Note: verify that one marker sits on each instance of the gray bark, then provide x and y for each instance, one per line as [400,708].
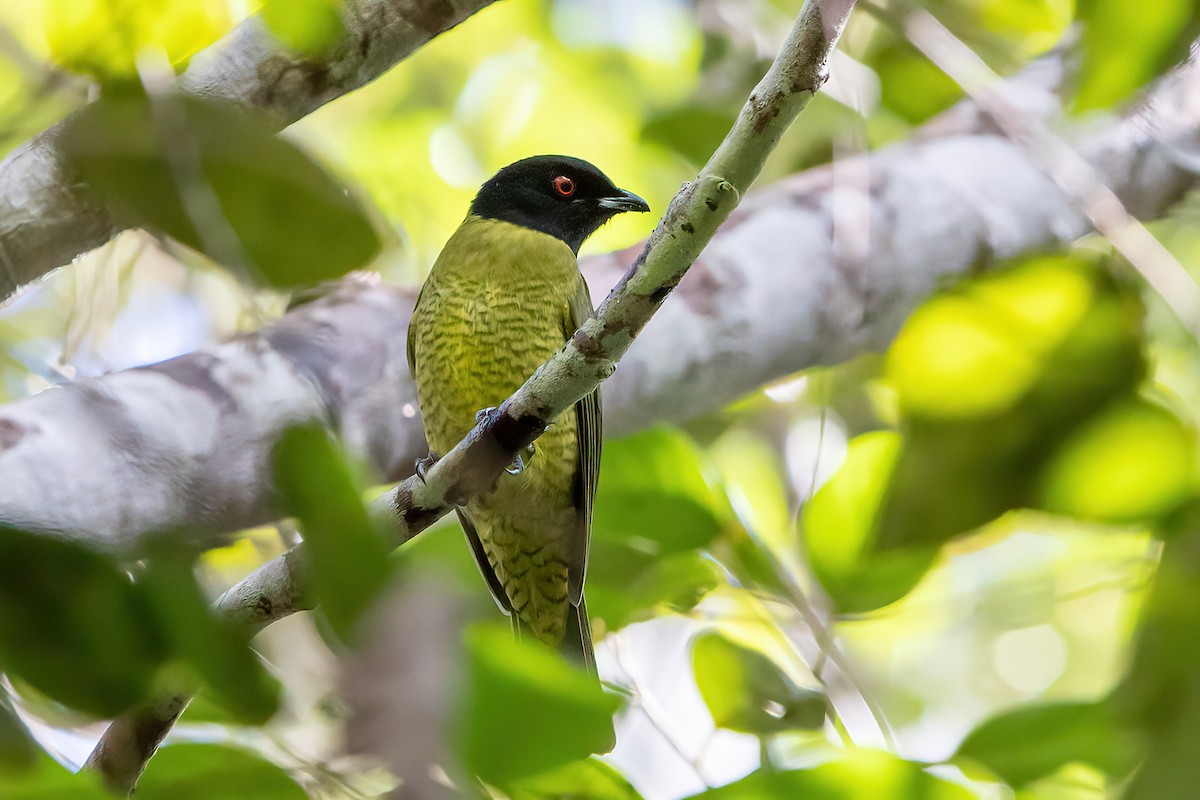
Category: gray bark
[813,270]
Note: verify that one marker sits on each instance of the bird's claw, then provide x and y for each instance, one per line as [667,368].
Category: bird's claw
[518,464]
[424,464]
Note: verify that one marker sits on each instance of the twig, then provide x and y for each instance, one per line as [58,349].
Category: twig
[473,466]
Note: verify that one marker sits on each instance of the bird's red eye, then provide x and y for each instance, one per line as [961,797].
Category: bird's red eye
[564,186]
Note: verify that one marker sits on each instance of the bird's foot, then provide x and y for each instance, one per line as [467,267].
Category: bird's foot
[424,464]
[518,464]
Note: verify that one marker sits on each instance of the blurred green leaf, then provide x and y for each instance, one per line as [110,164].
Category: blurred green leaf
[309,27]
[1029,743]
[654,508]
[992,377]
[217,178]
[692,131]
[216,647]
[1126,44]
[858,775]
[207,771]
[46,779]
[1159,699]
[73,626]
[591,779]
[348,556]
[526,710]
[745,691]
[1134,461]
[676,582]
[900,68]
[840,527]
[103,38]
[17,749]
[653,494]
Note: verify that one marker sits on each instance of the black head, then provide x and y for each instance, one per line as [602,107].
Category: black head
[565,197]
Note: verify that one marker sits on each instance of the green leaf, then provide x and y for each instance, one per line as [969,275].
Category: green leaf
[1029,743]
[1159,699]
[591,779]
[206,771]
[653,494]
[654,509]
[745,691]
[216,647]
[1134,461]
[73,626]
[840,527]
[217,178]
[309,27]
[1126,44]
[103,38]
[526,710]
[46,779]
[692,131]
[349,557]
[858,775]
[17,749]
[676,582]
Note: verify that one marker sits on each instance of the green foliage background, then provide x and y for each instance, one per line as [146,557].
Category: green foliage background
[963,568]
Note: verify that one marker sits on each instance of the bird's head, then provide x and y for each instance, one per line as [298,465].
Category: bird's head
[565,197]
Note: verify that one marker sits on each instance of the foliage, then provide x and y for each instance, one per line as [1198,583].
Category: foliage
[951,541]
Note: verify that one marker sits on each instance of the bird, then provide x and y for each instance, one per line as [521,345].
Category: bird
[504,295]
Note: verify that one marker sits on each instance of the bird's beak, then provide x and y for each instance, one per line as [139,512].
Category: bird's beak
[624,201]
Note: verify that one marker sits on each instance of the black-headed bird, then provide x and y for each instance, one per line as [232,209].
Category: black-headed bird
[503,296]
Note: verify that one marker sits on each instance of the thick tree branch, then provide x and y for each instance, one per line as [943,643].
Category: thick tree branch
[48,218]
[814,270]
[583,363]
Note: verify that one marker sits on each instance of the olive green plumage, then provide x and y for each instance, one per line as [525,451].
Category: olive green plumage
[503,296]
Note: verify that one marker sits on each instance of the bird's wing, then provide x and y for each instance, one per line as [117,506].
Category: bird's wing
[409,349]
[588,421]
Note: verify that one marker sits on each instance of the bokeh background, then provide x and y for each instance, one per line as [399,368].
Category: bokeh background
[1043,414]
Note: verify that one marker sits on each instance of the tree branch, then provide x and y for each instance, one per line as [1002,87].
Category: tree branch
[814,270]
[474,465]
[48,218]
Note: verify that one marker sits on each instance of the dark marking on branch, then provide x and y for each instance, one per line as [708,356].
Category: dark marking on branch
[688,227]
[11,432]
[712,204]
[195,372]
[430,16]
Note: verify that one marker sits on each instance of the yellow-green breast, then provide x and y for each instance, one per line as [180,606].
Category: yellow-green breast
[491,312]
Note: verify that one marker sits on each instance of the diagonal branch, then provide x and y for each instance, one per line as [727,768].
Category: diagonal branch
[48,218]
[590,356]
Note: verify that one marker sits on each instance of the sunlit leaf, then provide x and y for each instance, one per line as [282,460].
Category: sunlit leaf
[745,691]
[103,38]
[653,509]
[1134,461]
[840,527]
[859,775]
[526,710]
[591,779]
[309,27]
[216,647]
[1126,44]
[348,556]
[206,771]
[1029,743]
[217,178]
[72,625]
[46,779]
